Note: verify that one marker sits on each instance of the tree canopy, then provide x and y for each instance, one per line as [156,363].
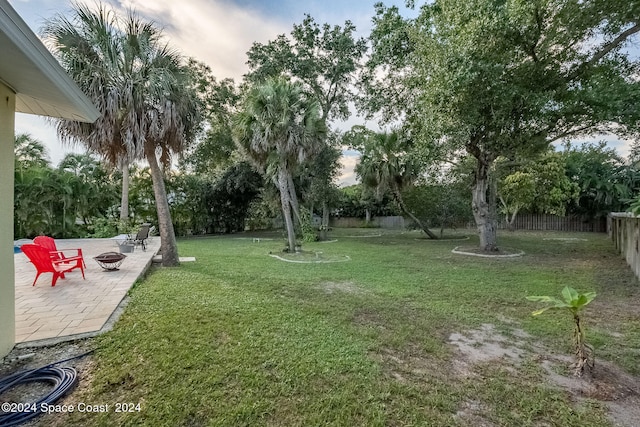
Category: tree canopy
[324,59]
[503,78]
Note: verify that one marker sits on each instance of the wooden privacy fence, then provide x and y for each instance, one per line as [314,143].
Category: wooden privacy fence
[557,223]
[391,222]
[537,222]
[624,230]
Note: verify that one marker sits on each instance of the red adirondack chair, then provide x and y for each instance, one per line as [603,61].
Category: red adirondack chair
[41,259]
[50,244]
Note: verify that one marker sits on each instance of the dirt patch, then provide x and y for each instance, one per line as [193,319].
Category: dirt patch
[485,344]
[618,390]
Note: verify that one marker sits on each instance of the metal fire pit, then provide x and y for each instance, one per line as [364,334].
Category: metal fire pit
[110,261]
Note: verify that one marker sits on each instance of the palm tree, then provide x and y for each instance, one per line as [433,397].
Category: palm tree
[279,128]
[31,164]
[92,47]
[386,165]
[145,94]
[29,152]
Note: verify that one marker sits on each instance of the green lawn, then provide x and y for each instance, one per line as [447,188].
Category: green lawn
[239,338]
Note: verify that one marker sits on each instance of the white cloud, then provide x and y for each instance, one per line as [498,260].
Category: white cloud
[622,146]
[347,175]
[215,32]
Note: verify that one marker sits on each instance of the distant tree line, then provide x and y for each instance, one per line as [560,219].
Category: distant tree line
[473,95]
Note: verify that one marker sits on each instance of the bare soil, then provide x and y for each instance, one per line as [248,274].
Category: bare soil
[618,390]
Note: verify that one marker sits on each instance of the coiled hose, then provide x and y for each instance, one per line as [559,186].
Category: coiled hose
[63,380]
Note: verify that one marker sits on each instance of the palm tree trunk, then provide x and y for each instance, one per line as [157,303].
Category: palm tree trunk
[293,197]
[168,244]
[285,200]
[396,194]
[124,200]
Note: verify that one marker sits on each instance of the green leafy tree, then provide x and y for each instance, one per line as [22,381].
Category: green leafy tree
[538,185]
[573,302]
[146,95]
[503,78]
[442,204]
[360,201]
[30,163]
[319,174]
[51,201]
[230,197]
[324,59]
[213,153]
[516,192]
[607,183]
[94,188]
[277,128]
[142,200]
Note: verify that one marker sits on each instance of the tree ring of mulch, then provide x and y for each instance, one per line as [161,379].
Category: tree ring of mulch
[308,258]
[566,239]
[254,239]
[442,239]
[474,251]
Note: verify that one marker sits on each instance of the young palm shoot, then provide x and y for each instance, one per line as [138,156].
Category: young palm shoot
[573,302]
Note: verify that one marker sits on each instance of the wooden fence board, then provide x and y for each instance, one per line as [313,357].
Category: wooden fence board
[536,222]
[544,222]
[624,230]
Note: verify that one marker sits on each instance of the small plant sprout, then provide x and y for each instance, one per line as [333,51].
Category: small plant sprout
[573,302]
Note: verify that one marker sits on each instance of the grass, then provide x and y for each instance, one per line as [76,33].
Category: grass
[240,338]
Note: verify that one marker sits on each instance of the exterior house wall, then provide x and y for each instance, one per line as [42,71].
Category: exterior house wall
[7,285]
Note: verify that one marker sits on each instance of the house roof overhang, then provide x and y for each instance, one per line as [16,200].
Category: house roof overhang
[41,85]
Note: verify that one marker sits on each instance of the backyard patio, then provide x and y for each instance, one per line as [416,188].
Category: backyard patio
[75,307]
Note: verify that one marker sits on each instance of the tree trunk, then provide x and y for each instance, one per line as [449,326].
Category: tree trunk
[511,221]
[124,199]
[510,218]
[482,212]
[324,225]
[293,198]
[168,245]
[367,216]
[398,196]
[285,200]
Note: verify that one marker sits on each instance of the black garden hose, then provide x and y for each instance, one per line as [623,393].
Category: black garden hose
[63,380]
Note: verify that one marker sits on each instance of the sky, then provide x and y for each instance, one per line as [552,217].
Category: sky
[219,33]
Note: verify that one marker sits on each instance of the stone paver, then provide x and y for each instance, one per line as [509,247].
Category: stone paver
[75,306]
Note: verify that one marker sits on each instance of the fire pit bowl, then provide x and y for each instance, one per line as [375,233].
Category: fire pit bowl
[110,261]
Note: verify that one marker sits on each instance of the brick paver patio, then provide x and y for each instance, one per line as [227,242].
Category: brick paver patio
[75,306]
